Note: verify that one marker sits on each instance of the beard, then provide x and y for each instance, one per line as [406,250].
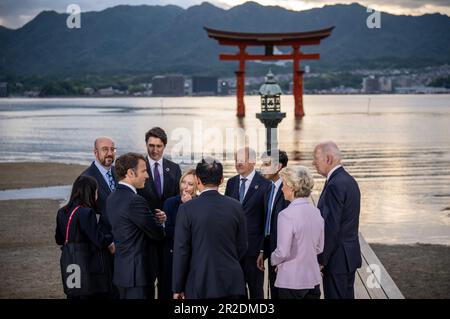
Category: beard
[107,161]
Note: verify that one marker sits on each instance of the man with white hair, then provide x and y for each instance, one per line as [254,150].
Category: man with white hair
[339,205]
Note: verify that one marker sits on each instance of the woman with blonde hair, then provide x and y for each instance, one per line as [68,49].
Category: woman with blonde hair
[188,190]
[300,239]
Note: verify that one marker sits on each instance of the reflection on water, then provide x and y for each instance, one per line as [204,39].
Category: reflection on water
[399,151]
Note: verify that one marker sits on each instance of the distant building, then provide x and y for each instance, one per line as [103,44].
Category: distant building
[106,91]
[204,85]
[3,89]
[88,91]
[370,85]
[385,84]
[168,85]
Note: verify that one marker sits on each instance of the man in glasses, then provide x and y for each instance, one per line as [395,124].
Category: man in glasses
[102,169]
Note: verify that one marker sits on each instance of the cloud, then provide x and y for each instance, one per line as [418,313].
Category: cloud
[15,13]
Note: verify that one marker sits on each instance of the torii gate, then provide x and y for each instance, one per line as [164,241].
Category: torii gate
[269,40]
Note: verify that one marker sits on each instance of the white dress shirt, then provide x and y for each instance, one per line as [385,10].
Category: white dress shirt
[129,186]
[247,182]
[332,171]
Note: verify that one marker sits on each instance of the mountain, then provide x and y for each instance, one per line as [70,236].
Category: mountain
[170,39]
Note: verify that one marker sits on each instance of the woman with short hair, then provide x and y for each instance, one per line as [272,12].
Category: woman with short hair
[300,239]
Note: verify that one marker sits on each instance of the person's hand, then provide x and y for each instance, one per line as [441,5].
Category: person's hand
[178,295]
[160,215]
[321,270]
[185,197]
[276,269]
[112,248]
[260,261]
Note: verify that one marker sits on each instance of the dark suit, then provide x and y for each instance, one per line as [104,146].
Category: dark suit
[210,239]
[339,204]
[270,242]
[170,188]
[253,205]
[103,193]
[171,206]
[135,232]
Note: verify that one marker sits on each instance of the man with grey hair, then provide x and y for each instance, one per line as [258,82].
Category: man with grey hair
[339,205]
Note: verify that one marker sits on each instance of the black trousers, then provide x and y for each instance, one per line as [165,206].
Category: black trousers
[253,277]
[339,286]
[146,292]
[285,293]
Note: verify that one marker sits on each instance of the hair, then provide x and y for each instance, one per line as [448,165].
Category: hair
[282,157]
[299,179]
[83,193]
[250,154]
[209,171]
[189,172]
[125,162]
[330,148]
[158,133]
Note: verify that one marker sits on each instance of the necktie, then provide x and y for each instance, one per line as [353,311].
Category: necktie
[157,179]
[269,210]
[242,190]
[111,183]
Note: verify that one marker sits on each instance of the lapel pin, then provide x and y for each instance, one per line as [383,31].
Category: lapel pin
[256,186]
[167,169]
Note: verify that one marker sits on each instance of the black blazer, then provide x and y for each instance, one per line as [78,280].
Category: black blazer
[210,239]
[103,188]
[339,205]
[253,205]
[83,228]
[171,187]
[279,204]
[135,231]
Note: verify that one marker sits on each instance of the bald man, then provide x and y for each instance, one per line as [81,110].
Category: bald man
[103,171]
[339,205]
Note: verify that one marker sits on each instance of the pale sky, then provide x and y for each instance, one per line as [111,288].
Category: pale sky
[15,13]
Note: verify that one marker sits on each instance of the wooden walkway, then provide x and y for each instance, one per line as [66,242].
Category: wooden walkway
[372,280]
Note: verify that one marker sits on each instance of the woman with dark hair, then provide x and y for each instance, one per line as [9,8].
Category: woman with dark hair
[83,228]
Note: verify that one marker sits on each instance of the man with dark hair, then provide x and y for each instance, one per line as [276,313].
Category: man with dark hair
[134,227]
[163,183]
[210,239]
[102,170]
[249,188]
[274,203]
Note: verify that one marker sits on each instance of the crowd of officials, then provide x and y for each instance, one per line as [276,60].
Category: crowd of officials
[159,232]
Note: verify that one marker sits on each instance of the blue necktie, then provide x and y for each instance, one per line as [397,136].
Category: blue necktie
[269,210]
[157,179]
[112,184]
[242,190]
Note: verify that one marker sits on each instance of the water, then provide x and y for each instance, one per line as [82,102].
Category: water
[398,149]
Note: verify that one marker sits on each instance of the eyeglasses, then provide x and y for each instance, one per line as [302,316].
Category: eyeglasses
[106,149]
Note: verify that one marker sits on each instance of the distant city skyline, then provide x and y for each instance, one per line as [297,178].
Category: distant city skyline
[15,13]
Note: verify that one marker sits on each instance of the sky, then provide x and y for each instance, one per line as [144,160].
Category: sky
[16,13]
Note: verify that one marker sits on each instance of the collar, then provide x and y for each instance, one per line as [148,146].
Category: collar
[332,171]
[278,183]
[101,168]
[207,190]
[152,161]
[300,200]
[129,186]
[249,177]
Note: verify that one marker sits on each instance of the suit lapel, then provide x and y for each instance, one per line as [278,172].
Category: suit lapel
[167,177]
[100,179]
[328,183]
[150,183]
[254,185]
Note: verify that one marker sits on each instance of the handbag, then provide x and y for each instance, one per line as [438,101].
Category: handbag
[83,270]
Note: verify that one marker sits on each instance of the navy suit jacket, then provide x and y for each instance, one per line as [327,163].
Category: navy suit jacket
[171,187]
[103,187]
[135,231]
[210,240]
[253,205]
[339,205]
[279,204]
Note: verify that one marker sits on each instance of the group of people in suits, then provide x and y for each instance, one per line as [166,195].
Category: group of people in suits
[157,225]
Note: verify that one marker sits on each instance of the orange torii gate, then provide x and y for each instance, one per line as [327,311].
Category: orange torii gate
[269,40]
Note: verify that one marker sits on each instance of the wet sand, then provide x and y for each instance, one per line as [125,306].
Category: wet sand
[36,174]
[29,257]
